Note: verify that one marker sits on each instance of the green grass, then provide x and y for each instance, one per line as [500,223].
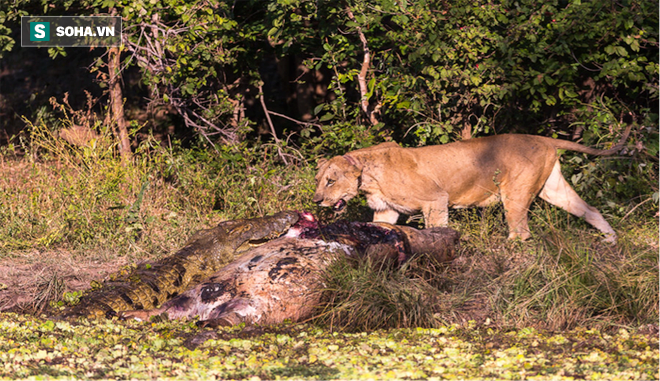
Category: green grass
[86,201]
[563,278]
[33,348]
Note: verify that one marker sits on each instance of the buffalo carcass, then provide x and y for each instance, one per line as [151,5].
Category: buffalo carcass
[281,279]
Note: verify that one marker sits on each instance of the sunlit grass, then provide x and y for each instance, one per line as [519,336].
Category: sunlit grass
[83,198]
[562,278]
[87,202]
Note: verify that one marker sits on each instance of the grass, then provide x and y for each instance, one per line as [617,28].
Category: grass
[86,198]
[563,278]
[33,348]
[363,296]
[86,202]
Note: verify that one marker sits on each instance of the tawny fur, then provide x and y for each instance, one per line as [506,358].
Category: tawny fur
[513,169]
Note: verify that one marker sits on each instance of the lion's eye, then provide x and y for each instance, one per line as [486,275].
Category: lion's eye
[330,183]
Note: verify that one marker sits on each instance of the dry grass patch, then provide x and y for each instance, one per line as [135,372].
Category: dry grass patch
[33,279]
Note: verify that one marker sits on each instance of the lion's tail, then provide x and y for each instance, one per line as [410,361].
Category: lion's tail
[572,146]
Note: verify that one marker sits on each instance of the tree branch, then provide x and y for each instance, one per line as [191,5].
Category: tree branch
[294,120]
[362,76]
[270,123]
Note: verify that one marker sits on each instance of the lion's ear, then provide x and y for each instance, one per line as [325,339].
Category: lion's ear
[321,162]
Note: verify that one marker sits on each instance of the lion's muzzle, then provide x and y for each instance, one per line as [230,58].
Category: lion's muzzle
[339,205]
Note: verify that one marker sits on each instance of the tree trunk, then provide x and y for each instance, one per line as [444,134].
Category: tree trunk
[117,102]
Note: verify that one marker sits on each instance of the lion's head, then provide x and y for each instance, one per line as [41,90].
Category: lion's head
[337,181]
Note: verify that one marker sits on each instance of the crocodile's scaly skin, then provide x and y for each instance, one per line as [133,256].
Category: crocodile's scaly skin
[151,284]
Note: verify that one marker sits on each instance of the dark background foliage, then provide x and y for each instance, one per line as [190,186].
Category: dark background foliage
[329,76]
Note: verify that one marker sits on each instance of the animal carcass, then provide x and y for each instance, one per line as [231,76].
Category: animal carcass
[281,278]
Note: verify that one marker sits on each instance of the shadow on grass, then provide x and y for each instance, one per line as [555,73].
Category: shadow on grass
[306,372]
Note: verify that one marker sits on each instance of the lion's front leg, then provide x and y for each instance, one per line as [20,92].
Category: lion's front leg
[436,214]
[382,211]
[390,216]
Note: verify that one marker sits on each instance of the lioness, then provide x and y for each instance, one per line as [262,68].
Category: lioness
[476,172]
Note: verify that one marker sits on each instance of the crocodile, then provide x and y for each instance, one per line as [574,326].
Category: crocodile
[281,279]
[152,283]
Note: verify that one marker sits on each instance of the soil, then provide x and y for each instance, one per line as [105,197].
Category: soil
[25,279]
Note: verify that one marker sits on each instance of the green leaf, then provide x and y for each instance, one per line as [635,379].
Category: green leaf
[47,326]
[634,45]
[403,105]
[621,51]
[326,117]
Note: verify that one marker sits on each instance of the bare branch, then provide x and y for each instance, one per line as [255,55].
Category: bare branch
[150,53]
[362,76]
[270,123]
[294,120]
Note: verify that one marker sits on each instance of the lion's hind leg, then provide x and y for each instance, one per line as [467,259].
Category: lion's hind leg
[558,192]
[516,210]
